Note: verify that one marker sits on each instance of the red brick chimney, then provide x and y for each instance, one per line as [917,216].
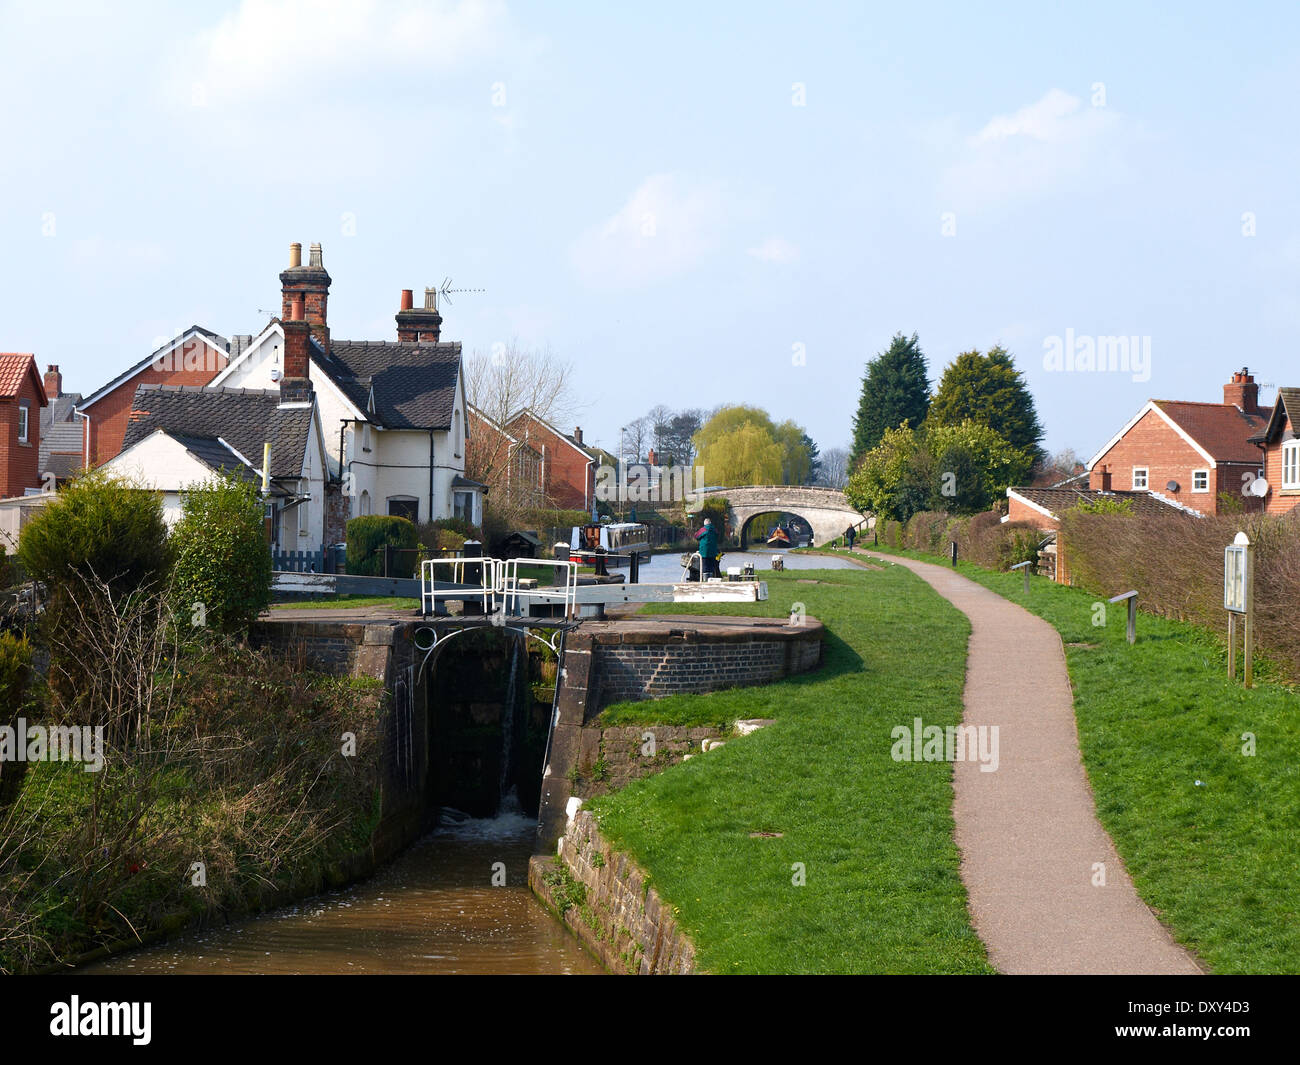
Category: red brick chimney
[419,325]
[1099,479]
[295,385]
[1242,392]
[577,435]
[53,382]
[309,284]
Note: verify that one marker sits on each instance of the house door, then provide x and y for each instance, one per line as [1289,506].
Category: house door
[404,508]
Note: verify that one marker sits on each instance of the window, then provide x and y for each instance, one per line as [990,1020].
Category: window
[365,502]
[1200,480]
[1291,464]
[1139,478]
[463,505]
[404,507]
[457,451]
[22,423]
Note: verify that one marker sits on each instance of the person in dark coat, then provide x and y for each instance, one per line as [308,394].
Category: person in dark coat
[849,536]
[708,538]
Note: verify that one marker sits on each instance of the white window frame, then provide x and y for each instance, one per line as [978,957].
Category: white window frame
[1145,486]
[24,423]
[1290,463]
[1201,473]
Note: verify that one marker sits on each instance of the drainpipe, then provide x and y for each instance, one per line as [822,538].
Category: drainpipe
[83,414]
[431,475]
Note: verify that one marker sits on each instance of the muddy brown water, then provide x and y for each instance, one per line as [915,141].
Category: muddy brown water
[432,910]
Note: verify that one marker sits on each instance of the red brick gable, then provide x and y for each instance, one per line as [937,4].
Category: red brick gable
[568,471]
[20,386]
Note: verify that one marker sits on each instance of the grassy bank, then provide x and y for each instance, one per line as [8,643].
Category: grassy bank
[1206,830]
[232,794]
[872,837]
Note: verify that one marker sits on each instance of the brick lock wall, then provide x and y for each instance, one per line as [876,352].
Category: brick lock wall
[1168,457]
[19,462]
[108,415]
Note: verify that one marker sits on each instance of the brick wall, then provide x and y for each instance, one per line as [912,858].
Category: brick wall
[1279,501]
[617,915]
[19,462]
[568,480]
[196,364]
[1153,443]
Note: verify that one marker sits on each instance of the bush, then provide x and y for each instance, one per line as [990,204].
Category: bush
[924,532]
[1018,543]
[220,556]
[893,533]
[447,534]
[367,537]
[6,570]
[15,680]
[97,526]
[98,531]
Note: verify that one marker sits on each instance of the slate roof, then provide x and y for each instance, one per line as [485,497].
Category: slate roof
[414,385]
[218,456]
[1220,428]
[62,432]
[1286,406]
[62,465]
[244,417]
[1059,500]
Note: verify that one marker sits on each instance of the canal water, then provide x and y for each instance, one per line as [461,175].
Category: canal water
[432,910]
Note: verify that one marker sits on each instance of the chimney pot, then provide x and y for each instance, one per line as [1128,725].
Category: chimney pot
[295,310]
[408,299]
[316,259]
[430,299]
[295,255]
[1242,391]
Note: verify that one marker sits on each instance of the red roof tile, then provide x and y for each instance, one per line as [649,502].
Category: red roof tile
[14,366]
[1221,429]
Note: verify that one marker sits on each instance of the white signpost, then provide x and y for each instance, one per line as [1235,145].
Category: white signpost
[1239,601]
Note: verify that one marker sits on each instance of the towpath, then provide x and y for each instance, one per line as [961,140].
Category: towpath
[1032,849]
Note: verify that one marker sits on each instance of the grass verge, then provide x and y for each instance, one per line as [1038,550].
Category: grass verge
[1207,831]
[336,602]
[872,839]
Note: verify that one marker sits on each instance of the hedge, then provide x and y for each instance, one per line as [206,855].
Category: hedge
[367,537]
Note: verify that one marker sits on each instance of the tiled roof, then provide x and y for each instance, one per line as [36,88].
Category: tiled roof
[14,366]
[60,410]
[1287,404]
[1059,500]
[414,385]
[1220,428]
[218,456]
[62,438]
[244,417]
[62,465]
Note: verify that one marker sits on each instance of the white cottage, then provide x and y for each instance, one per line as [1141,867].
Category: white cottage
[393,413]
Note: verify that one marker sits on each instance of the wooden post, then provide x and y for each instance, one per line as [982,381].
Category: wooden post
[1232,645]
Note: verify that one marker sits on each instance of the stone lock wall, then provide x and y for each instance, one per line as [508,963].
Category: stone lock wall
[611,758]
[606,901]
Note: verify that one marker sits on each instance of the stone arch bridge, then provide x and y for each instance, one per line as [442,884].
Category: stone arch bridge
[825,509]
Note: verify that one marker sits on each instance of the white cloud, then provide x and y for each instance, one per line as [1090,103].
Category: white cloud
[775,250]
[1043,148]
[311,46]
[668,226]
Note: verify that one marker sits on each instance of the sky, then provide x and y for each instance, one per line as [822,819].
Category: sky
[694,204]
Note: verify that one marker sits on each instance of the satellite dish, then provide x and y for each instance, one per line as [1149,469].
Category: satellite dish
[1258,487]
[1172,486]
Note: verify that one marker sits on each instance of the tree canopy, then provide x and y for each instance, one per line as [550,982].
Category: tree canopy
[741,445]
[895,389]
[988,389]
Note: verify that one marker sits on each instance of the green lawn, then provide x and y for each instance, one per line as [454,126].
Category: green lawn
[874,837]
[336,602]
[1218,860]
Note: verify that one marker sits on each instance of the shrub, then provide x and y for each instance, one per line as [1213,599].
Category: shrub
[97,526]
[893,533]
[101,531]
[367,537]
[15,680]
[1018,543]
[6,570]
[447,534]
[924,531]
[220,556]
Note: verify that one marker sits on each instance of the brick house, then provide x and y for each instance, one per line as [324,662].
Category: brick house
[393,412]
[1281,452]
[22,397]
[1043,507]
[511,468]
[193,358]
[568,466]
[1190,453]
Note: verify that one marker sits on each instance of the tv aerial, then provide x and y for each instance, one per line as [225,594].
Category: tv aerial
[446,290]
